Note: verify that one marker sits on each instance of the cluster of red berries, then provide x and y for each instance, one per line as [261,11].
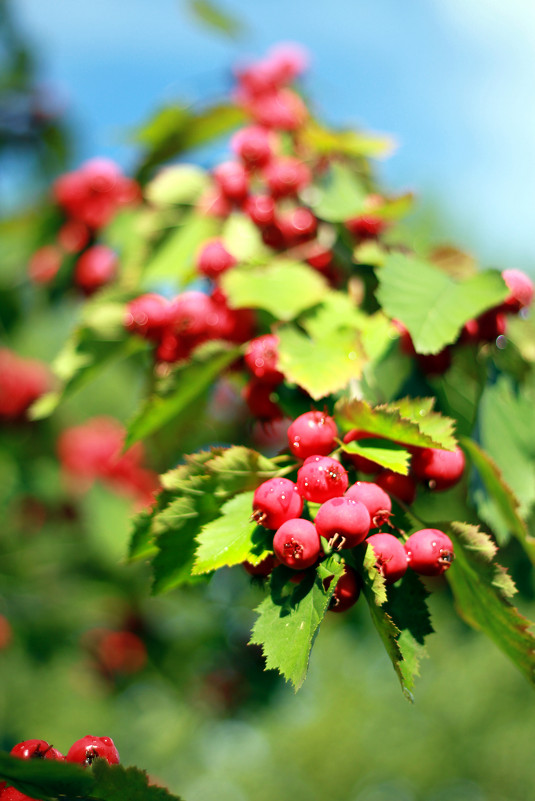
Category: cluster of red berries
[89,198]
[347,514]
[83,751]
[22,382]
[486,328]
[93,450]
[179,325]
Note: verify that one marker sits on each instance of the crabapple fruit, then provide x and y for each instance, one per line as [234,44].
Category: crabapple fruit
[297,544]
[391,559]
[374,498]
[35,749]
[343,519]
[89,748]
[429,551]
[321,478]
[276,501]
[312,434]
[397,485]
[438,468]
[346,592]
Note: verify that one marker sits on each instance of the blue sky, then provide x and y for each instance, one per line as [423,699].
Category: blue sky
[452,80]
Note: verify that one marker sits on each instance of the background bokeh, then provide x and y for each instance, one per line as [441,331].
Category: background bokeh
[453,83]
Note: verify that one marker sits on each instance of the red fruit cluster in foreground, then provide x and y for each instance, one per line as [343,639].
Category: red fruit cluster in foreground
[22,381]
[349,516]
[83,751]
[93,450]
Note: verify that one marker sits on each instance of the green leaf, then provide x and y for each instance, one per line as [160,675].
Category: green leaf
[387,454]
[211,15]
[406,422]
[482,591]
[141,544]
[84,356]
[320,366]
[232,538]
[503,501]
[288,620]
[190,382]
[460,388]
[176,129]
[117,783]
[432,305]
[343,196]
[242,238]
[179,183]
[348,143]
[174,259]
[45,778]
[284,288]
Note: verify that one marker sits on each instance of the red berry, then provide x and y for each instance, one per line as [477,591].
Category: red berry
[491,325]
[360,463]
[297,225]
[73,236]
[252,145]
[11,794]
[286,176]
[44,264]
[95,268]
[281,109]
[434,363]
[312,433]
[263,568]
[321,478]
[35,749]
[191,312]
[297,544]
[344,519]
[366,226]
[375,499]
[390,556]
[319,257]
[89,748]
[148,315]
[429,551]
[521,290]
[22,382]
[121,652]
[261,358]
[214,259]
[261,209]
[395,484]
[276,501]
[258,396]
[346,592]
[438,468]
[233,181]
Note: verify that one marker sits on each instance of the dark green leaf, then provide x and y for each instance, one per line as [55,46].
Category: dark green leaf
[45,778]
[116,783]
[432,305]
[482,590]
[289,619]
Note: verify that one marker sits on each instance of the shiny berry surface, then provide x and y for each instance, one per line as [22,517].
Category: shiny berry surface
[321,478]
[89,748]
[397,486]
[429,551]
[391,559]
[439,469]
[312,433]
[214,259]
[276,501]
[343,520]
[374,498]
[261,358]
[35,749]
[297,544]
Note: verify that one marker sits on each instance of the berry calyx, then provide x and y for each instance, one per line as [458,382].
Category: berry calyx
[312,433]
[347,591]
[35,749]
[391,559]
[429,551]
[89,748]
[343,522]
[297,544]
[276,501]
[439,469]
[321,478]
[374,498]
